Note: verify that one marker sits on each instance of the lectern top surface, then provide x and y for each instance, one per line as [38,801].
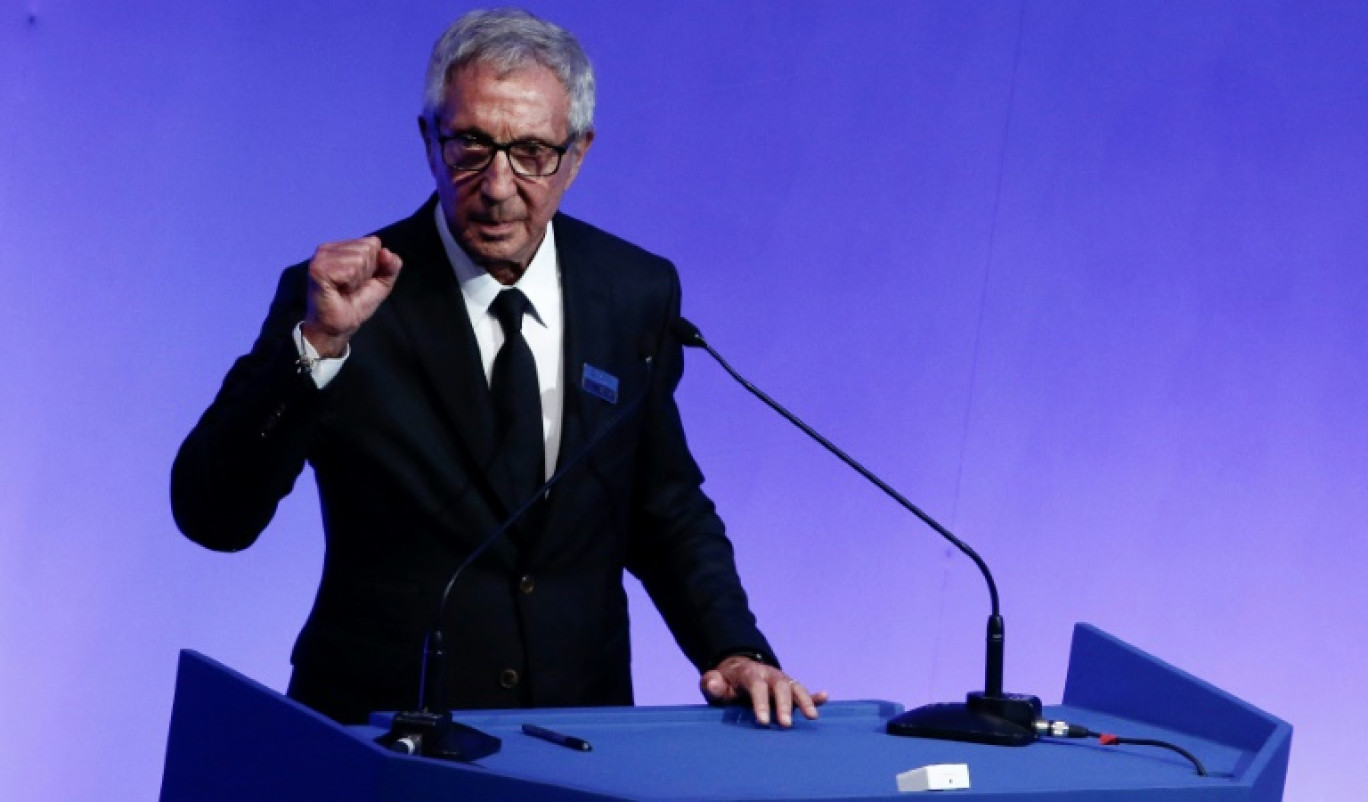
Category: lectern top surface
[703,753]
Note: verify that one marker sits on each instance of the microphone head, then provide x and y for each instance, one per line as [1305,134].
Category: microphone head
[686,332]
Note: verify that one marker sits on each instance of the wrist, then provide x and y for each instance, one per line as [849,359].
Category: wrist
[746,653]
[324,344]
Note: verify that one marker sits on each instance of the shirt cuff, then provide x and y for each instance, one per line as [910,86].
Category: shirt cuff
[322,371]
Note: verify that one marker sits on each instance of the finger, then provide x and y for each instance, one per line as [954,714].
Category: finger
[714,686]
[783,700]
[367,249]
[342,265]
[388,264]
[362,258]
[805,701]
[759,692]
[364,245]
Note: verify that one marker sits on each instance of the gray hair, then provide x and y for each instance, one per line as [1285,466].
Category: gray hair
[507,39]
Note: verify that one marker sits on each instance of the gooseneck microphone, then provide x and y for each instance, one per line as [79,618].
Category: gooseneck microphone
[989,716]
[430,730]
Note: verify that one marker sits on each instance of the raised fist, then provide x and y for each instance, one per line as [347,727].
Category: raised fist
[348,280]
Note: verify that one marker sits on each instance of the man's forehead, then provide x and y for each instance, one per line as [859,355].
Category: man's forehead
[530,85]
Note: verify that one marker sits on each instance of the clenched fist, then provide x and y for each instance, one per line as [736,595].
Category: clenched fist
[348,280]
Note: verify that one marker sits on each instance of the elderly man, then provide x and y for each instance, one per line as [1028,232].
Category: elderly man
[434,374]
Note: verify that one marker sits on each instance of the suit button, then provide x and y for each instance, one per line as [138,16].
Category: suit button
[526,585]
[508,679]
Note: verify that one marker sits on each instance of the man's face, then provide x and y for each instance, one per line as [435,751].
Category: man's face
[498,217]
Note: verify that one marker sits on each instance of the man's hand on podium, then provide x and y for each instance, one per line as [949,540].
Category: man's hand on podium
[739,677]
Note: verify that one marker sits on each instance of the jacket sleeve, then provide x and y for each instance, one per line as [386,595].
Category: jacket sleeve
[681,551]
[249,447]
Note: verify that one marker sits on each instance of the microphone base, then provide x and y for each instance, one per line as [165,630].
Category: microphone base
[435,735]
[1007,720]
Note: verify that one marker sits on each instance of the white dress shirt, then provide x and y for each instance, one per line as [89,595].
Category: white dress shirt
[543,326]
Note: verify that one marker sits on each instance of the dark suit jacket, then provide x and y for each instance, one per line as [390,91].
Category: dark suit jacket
[398,443]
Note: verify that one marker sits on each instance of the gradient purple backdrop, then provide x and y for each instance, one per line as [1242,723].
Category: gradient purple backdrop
[1086,280]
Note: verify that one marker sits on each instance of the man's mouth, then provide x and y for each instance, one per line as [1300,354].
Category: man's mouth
[496,227]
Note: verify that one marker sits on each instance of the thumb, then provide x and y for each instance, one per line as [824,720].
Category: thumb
[714,686]
[387,263]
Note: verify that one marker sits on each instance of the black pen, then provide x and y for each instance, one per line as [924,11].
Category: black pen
[568,741]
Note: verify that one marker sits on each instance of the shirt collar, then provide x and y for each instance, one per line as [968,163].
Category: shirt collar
[540,282]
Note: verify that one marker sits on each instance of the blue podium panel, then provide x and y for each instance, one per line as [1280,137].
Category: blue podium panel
[233,739]
[1109,676]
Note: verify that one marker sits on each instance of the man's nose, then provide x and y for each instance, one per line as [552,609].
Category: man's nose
[498,182]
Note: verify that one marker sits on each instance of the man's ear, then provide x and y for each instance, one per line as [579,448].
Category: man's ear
[430,153]
[581,147]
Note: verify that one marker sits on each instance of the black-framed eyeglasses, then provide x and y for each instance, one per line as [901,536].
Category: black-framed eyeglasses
[529,158]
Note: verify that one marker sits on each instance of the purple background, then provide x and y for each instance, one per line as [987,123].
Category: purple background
[1086,280]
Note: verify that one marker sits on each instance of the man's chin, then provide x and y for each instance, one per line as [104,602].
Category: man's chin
[495,256]
[486,247]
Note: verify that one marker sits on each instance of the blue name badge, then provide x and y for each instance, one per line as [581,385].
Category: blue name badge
[600,383]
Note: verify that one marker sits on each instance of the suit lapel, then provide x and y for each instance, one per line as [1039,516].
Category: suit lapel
[431,309]
[588,339]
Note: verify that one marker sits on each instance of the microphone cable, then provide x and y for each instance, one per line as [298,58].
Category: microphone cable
[1062,729]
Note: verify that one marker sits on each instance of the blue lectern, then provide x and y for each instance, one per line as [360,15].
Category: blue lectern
[233,739]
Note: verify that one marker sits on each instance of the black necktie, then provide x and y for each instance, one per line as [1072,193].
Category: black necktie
[520,463]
